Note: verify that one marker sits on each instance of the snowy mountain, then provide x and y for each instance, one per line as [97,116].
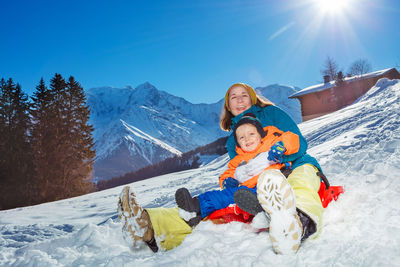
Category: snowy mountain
[279,95]
[136,127]
[358,147]
[141,126]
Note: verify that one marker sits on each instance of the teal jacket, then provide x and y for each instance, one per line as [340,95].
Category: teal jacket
[274,116]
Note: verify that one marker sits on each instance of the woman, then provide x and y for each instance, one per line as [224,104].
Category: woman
[150,224]
[302,183]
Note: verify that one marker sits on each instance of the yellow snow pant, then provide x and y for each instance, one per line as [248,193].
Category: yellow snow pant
[169,228]
[305,183]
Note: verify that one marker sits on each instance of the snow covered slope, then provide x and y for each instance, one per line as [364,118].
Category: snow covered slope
[136,127]
[358,147]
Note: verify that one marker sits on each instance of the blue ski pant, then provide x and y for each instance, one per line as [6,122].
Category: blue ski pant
[218,199]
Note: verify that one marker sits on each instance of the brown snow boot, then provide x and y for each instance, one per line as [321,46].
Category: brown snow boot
[137,227]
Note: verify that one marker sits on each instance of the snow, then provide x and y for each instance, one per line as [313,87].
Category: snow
[358,147]
[186,215]
[135,131]
[205,159]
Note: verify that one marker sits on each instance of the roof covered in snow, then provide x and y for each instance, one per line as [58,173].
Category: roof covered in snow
[328,85]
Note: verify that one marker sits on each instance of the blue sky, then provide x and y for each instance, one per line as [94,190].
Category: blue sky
[193,49]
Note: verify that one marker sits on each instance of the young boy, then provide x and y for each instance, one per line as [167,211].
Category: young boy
[265,146]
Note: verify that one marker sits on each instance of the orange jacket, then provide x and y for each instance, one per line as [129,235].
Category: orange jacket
[289,139]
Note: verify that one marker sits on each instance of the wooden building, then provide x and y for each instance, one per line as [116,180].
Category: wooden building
[321,99]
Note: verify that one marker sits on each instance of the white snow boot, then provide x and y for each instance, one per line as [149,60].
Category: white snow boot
[277,198]
[137,228]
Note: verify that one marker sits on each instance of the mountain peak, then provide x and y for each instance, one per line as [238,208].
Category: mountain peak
[147,92]
[146,86]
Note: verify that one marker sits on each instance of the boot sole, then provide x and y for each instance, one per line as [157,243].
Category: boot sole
[130,213]
[277,198]
[274,192]
[247,201]
[184,199]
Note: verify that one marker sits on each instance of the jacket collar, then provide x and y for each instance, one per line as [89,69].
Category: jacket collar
[253,109]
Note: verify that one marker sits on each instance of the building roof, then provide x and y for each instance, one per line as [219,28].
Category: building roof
[328,85]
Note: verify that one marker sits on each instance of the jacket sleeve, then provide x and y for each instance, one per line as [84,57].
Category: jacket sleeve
[291,142]
[285,123]
[230,172]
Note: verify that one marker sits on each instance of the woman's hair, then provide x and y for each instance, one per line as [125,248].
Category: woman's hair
[226,115]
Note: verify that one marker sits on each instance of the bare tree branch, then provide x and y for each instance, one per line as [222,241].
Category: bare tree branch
[360,67]
[330,68]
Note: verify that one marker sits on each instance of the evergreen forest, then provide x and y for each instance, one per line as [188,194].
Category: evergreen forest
[46,145]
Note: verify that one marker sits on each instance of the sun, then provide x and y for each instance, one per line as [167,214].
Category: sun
[332,7]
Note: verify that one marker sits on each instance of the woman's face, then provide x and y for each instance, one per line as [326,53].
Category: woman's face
[238,100]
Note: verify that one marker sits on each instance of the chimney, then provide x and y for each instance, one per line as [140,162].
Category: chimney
[327,78]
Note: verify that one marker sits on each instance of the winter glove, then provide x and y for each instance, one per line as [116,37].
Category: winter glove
[276,152]
[230,182]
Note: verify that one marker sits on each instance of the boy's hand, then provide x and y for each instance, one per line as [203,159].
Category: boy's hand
[230,182]
[276,152]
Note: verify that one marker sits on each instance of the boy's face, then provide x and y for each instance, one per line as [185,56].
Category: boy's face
[248,137]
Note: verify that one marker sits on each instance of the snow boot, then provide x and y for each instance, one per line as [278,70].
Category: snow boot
[190,206]
[277,198]
[247,201]
[137,228]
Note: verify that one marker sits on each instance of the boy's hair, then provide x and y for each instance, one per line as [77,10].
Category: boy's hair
[226,115]
[249,118]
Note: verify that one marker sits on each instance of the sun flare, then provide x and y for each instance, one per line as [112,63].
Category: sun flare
[332,6]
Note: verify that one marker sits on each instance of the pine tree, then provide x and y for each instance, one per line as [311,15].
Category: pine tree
[3,132]
[41,139]
[339,81]
[15,151]
[49,138]
[81,141]
[62,138]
